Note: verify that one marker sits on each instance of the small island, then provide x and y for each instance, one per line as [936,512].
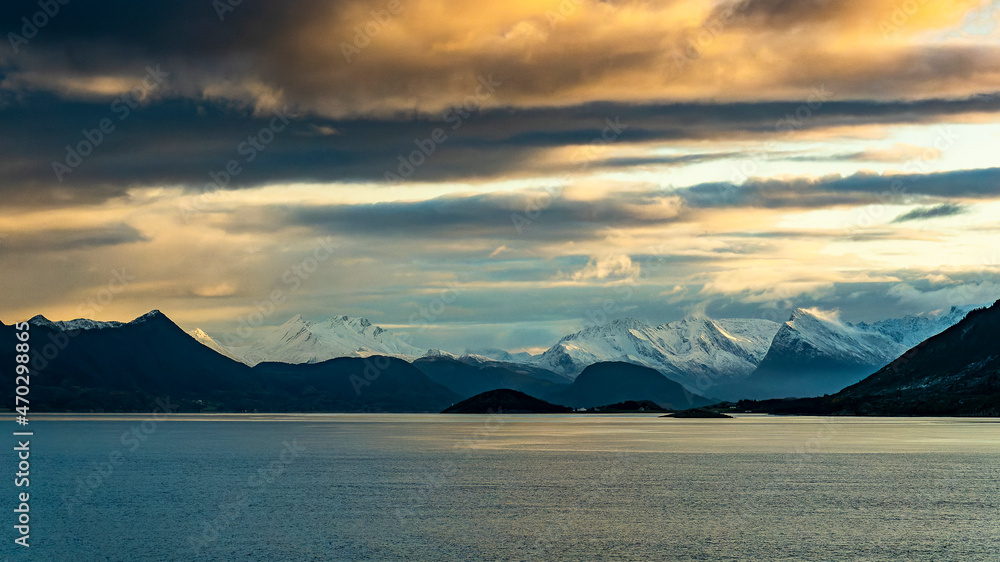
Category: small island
[628,407]
[505,401]
[698,413]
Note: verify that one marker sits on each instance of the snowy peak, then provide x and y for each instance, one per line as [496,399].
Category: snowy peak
[913,329]
[875,343]
[816,352]
[301,341]
[696,351]
[73,325]
[501,355]
[210,343]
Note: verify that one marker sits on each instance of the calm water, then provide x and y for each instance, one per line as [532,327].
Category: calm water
[427,487]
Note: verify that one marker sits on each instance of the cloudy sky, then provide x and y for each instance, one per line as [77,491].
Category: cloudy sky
[497,174]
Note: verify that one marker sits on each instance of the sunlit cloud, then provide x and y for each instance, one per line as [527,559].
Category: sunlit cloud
[741,157]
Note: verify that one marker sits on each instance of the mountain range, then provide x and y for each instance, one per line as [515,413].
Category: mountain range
[698,352]
[814,352]
[300,341]
[123,365]
[956,372]
[129,367]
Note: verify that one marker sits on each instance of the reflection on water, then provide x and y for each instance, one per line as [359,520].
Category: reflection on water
[395,487]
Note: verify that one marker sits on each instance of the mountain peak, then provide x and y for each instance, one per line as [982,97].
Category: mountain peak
[813,314]
[72,325]
[152,316]
[39,320]
[294,320]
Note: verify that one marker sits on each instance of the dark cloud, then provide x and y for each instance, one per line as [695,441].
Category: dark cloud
[183,142]
[530,215]
[534,215]
[858,189]
[70,239]
[943,210]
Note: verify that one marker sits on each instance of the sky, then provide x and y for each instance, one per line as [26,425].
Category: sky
[497,175]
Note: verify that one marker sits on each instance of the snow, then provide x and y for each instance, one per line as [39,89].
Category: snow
[870,344]
[210,343]
[300,341]
[73,325]
[688,350]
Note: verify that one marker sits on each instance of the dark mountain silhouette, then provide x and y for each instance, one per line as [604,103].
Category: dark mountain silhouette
[467,379]
[628,406]
[955,373]
[127,367]
[615,381]
[354,384]
[698,413]
[505,401]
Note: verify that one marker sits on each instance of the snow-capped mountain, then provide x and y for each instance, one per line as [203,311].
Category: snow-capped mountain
[73,325]
[697,351]
[501,355]
[911,330]
[815,352]
[210,343]
[299,341]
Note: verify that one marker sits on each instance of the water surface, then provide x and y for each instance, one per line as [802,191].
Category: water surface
[563,487]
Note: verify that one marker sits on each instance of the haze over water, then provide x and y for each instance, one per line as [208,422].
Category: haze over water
[393,487]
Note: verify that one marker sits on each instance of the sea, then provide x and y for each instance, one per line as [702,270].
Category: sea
[504,487]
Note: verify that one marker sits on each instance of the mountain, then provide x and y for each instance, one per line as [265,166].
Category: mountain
[954,373]
[505,401]
[628,407]
[300,341]
[815,352]
[358,384]
[699,352]
[73,325]
[129,367]
[207,341]
[471,375]
[80,365]
[616,381]
[501,355]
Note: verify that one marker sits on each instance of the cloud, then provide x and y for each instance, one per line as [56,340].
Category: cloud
[521,215]
[224,289]
[983,292]
[424,60]
[862,188]
[942,210]
[500,249]
[62,239]
[189,143]
[603,267]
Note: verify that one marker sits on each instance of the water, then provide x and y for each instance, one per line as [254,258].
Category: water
[434,487]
